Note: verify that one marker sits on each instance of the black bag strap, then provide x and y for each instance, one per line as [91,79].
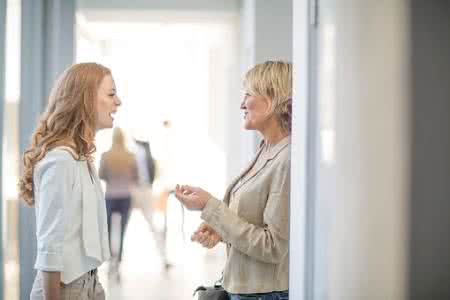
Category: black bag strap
[219,282]
[200,288]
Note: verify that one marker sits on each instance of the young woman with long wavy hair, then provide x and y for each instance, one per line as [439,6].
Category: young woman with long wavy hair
[59,180]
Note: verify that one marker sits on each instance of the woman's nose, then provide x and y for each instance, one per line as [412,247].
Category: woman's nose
[243,104]
[118,101]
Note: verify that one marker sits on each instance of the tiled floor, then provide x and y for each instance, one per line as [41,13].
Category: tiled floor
[143,275]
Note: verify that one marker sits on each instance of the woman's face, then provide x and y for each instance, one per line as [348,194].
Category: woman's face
[256,109]
[107,103]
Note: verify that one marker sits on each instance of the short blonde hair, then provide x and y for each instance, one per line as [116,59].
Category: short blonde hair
[273,80]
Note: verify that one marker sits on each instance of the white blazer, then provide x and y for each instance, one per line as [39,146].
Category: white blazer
[71,225]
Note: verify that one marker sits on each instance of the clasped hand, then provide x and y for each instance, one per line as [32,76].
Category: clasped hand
[206,236]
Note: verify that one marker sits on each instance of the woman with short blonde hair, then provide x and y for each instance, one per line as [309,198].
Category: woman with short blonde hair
[253,218]
[59,180]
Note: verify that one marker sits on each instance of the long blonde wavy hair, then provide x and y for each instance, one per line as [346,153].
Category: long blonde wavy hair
[69,120]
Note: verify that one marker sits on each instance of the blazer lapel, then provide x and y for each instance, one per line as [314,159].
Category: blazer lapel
[235,181]
[271,155]
[253,174]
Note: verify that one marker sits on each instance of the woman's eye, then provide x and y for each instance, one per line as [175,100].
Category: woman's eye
[112,95]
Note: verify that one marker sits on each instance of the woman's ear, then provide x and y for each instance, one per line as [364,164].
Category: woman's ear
[269,104]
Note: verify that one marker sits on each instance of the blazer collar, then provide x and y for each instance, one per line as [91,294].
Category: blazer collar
[273,152]
[270,155]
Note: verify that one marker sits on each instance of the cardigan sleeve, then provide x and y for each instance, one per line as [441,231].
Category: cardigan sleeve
[54,182]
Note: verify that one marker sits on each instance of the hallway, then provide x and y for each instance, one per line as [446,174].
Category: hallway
[369,203]
[143,274]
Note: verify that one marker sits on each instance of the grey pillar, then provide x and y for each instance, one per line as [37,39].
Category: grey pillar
[60,38]
[47,49]
[429,233]
[273,30]
[273,33]
[2,105]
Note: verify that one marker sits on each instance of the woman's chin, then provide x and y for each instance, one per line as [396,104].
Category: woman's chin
[105,126]
[248,126]
[110,123]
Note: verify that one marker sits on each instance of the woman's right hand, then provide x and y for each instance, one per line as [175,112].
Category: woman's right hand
[51,285]
[206,236]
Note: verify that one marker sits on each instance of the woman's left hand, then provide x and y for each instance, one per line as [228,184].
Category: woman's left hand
[206,236]
[193,198]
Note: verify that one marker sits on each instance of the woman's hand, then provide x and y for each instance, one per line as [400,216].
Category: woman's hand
[206,236]
[51,285]
[193,198]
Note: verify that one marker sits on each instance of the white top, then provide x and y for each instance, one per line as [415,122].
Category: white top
[71,225]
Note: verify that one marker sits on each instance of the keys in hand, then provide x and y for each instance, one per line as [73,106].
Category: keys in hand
[193,198]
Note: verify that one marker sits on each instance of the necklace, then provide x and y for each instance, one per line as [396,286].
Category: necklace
[267,149]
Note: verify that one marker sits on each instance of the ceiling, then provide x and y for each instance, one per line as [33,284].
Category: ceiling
[157,10]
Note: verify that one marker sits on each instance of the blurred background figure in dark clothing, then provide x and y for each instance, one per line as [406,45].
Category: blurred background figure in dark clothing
[146,200]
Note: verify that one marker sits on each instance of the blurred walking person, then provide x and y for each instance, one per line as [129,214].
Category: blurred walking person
[118,168]
[142,195]
[147,200]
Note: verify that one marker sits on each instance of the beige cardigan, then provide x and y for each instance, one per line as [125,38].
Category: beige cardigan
[257,234]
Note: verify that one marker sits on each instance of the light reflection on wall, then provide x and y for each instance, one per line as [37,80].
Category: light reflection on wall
[327,95]
[12,92]
[10,155]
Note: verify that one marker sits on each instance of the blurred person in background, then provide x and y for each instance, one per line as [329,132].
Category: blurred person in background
[253,218]
[118,168]
[146,199]
[142,193]
[59,179]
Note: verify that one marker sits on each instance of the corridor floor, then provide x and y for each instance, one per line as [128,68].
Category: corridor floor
[143,275]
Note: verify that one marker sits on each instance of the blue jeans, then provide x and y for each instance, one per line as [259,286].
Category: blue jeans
[284,295]
[122,207]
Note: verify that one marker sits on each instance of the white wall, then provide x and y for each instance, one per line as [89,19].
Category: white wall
[361,150]
[241,142]
[2,110]
[298,207]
